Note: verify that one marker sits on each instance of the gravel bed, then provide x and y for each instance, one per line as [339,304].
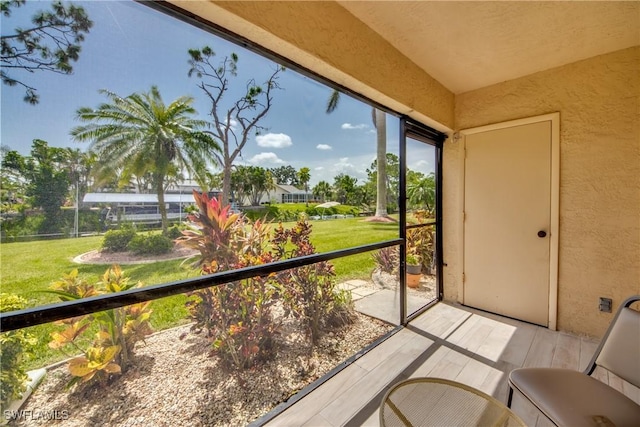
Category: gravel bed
[177,381]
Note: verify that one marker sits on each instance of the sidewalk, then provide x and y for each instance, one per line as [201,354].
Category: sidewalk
[383,303]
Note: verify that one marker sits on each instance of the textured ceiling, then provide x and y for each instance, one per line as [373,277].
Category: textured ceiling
[469,45]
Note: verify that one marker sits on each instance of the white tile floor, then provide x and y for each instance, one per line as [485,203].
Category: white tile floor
[447,341]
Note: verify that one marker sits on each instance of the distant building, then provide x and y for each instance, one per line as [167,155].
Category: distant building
[287,194]
[140,208]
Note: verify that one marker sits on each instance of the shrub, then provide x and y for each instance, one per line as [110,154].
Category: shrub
[117,240]
[151,244]
[14,346]
[310,292]
[174,232]
[22,225]
[237,316]
[387,259]
[111,349]
[420,240]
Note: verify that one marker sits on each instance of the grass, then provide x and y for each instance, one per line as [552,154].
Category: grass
[337,234]
[29,268]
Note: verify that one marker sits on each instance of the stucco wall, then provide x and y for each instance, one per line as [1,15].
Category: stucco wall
[598,100]
[599,247]
[326,39]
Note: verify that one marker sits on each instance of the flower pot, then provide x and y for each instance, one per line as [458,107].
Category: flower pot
[414,268]
[413,280]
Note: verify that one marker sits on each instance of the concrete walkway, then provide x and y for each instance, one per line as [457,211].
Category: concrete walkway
[382,303]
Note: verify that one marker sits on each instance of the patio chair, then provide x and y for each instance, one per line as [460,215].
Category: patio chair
[573,398]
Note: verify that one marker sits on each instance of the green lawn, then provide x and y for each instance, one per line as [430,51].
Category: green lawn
[27,268]
[336,234]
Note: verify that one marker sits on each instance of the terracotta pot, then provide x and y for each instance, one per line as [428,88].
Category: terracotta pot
[413,280]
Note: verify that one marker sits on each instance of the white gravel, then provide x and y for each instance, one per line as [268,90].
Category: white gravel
[178,382]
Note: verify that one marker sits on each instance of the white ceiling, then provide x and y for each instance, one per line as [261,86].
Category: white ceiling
[469,45]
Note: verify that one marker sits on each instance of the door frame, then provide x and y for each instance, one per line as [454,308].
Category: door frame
[554,118]
[427,135]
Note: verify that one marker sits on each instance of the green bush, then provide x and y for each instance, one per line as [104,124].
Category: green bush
[14,346]
[22,225]
[88,220]
[174,232]
[151,244]
[285,212]
[117,240]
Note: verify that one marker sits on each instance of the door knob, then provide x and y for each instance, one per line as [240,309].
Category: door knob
[542,233]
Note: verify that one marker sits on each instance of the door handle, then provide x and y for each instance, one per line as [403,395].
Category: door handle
[542,234]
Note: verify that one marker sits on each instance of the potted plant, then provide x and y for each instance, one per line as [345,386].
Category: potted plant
[414,267]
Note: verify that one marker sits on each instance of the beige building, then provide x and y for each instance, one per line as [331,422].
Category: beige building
[460,66]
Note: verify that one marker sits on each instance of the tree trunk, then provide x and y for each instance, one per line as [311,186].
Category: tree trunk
[381,190]
[226,185]
[162,207]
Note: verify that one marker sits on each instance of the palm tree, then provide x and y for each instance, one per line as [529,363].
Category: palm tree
[380,122]
[141,134]
[322,190]
[304,176]
[421,191]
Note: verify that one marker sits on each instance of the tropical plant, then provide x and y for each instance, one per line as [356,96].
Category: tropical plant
[234,125]
[143,135]
[211,231]
[304,176]
[322,190]
[420,240]
[14,348]
[387,259]
[421,191]
[413,259]
[310,292]
[51,44]
[236,316]
[345,188]
[112,348]
[251,183]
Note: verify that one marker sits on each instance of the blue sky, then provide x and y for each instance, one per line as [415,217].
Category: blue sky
[132,47]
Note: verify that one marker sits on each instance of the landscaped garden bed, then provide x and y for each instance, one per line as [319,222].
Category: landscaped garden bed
[249,345]
[175,380]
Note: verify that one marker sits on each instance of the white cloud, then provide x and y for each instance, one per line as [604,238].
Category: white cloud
[233,124]
[324,147]
[274,140]
[422,165]
[349,126]
[328,169]
[266,158]
[343,163]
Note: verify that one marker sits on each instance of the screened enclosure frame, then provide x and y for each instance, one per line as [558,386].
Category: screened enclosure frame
[408,128]
[427,135]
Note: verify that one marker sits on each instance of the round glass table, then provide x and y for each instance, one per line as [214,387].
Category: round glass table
[440,402]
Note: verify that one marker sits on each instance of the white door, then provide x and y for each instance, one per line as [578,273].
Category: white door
[508,220]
